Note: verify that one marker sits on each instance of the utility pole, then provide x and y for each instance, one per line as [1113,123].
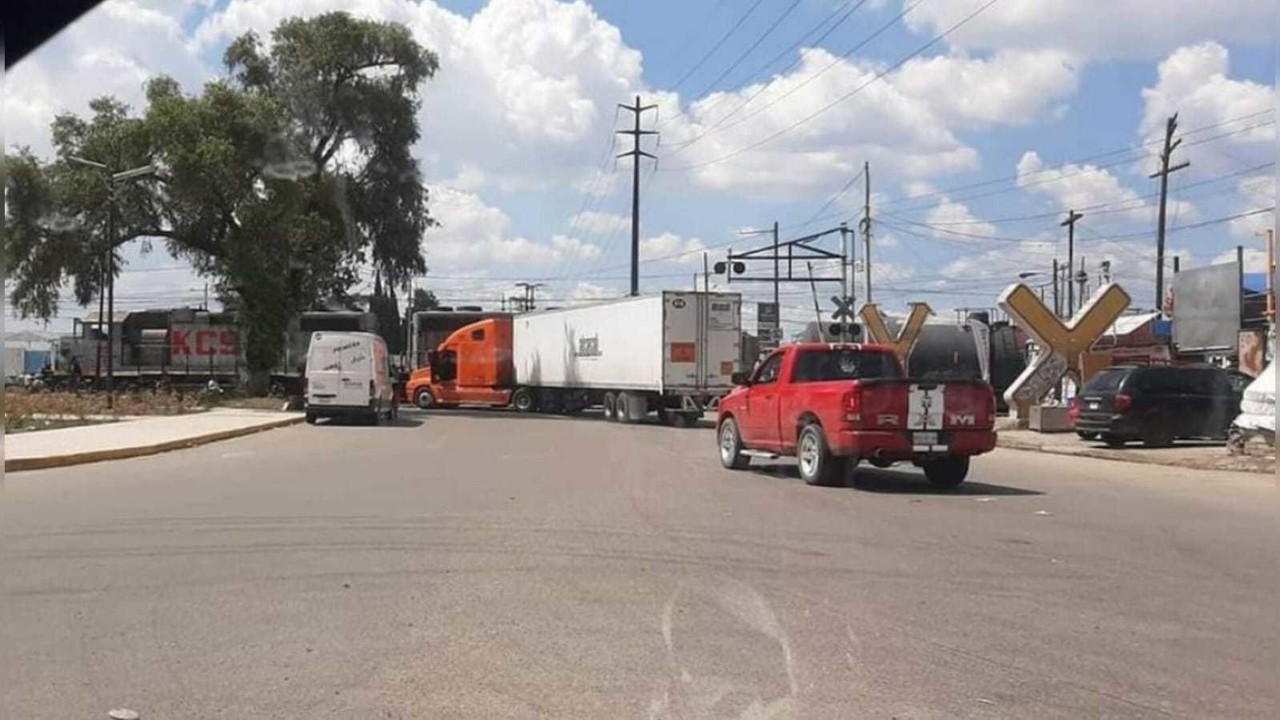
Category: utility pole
[528,303]
[635,154]
[1269,236]
[1082,278]
[1057,298]
[1165,156]
[706,275]
[848,244]
[866,223]
[1070,225]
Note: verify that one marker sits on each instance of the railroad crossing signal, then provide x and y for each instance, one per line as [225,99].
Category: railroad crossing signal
[844,308]
[905,341]
[1064,348]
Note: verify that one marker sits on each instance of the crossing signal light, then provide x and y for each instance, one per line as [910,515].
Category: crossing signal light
[852,331]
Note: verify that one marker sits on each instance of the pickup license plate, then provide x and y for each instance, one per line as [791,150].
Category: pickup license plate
[924,438]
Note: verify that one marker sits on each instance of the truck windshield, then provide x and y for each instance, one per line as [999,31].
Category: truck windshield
[824,365]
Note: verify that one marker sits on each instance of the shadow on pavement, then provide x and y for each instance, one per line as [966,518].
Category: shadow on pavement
[591,415]
[906,482]
[402,421]
[1137,445]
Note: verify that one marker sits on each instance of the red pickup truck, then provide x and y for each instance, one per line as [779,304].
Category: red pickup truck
[834,405]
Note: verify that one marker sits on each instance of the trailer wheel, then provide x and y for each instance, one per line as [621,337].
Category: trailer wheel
[523,400]
[424,399]
[620,408]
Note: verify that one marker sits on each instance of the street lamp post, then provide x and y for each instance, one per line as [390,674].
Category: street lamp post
[110,260]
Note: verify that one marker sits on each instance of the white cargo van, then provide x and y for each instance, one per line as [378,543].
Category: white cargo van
[348,376]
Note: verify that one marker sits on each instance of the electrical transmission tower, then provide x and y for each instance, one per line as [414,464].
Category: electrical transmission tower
[635,154]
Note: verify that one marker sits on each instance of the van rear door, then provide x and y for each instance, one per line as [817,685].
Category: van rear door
[339,370]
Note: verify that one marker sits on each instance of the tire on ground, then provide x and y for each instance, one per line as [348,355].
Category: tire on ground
[730,444]
[523,400]
[424,399]
[610,404]
[813,456]
[947,472]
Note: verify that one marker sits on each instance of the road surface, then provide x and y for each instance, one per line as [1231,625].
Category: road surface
[482,565]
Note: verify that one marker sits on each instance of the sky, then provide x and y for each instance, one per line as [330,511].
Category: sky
[984,122]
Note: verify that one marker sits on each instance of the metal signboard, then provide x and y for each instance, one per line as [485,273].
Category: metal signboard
[768,326]
[1206,308]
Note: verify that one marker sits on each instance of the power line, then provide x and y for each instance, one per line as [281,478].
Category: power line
[743,118]
[814,218]
[751,48]
[1007,178]
[723,38]
[756,73]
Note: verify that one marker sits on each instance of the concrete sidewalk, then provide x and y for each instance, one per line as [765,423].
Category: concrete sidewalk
[131,438]
[1185,454]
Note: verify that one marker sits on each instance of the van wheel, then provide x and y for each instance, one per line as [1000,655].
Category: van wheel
[947,472]
[1157,432]
[817,466]
[311,418]
[523,400]
[424,399]
[731,446]
[610,405]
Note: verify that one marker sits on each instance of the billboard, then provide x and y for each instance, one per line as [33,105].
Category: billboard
[1206,308]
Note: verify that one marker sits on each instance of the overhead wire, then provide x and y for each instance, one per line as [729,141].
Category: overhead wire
[739,119]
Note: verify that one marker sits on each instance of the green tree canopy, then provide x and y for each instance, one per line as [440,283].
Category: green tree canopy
[277,182]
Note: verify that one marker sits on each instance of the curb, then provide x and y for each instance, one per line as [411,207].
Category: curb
[57,461]
[1265,465]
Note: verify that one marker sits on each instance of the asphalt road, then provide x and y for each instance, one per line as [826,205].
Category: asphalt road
[487,566]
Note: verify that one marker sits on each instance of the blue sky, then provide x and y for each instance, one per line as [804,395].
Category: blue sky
[978,144]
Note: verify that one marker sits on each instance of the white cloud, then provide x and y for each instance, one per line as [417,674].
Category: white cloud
[601,222]
[957,217]
[1011,88]
[666,245]
[906,135]
[1255,261]
[585,291]
[1073,186]
[1097,29]
[472,234]
[1193,82]
[1255,193]
[112,50]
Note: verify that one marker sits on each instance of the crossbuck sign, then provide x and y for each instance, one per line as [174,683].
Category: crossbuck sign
[1064,348]
[906,338]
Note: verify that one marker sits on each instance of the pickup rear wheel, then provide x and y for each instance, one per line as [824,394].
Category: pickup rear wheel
[947,472]
[731,446]
[817,466]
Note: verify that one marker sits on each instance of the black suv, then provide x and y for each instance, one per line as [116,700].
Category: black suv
[1157,405]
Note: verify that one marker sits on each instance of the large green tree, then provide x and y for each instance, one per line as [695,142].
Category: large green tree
[278,181]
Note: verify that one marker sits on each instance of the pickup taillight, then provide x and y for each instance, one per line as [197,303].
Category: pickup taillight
[853,404]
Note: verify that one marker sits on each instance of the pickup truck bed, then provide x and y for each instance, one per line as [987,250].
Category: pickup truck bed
[834,405]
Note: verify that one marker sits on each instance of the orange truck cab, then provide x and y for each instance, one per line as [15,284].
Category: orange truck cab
[471,367]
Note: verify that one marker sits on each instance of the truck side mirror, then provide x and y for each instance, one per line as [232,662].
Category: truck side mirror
[740,378]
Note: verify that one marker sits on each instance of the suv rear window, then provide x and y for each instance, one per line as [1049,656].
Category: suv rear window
[1107,381]
[825,365]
